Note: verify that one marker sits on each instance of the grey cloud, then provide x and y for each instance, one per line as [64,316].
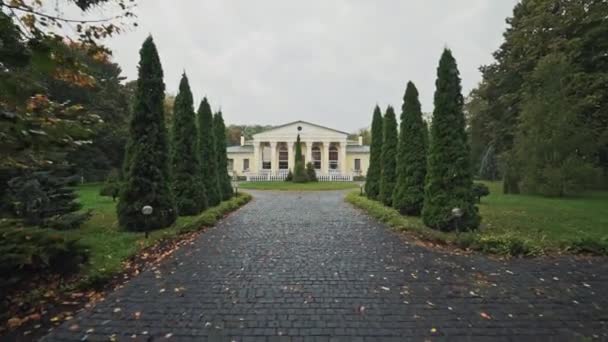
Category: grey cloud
[328,62]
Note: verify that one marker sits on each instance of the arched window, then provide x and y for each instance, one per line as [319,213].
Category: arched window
[316,157]
[333,158]
[283,158]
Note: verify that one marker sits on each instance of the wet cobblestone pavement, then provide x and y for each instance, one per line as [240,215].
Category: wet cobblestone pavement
[309,267]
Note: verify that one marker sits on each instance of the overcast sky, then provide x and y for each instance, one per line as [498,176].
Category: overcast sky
[324,61]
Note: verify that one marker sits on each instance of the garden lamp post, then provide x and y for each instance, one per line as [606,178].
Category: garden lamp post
[457,214]
[235,185]
[361,187]
[147,210]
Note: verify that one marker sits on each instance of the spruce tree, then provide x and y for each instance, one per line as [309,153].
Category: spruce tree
[449,203]
[222,158]
[299,169]
[188,186]
[207,147]
[148,177]
[408,196]
[389,157]
[374,172]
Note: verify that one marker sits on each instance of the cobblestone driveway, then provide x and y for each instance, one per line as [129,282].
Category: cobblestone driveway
[309,267]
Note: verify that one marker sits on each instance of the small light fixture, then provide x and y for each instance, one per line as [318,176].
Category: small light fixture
[146,210]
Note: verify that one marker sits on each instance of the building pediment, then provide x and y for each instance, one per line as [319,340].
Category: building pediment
[306,130]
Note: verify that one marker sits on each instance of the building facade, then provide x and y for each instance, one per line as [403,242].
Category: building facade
[271,154]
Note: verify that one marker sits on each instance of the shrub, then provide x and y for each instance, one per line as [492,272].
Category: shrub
[388,177]
[590,245]
[112,185]
[299,174]
[289,177]
[24,251]
[449,179]
[188,186]
[374,172]
[68,221]
[310,172]
[408,195]
[480,190]
[147,166]
[210,216]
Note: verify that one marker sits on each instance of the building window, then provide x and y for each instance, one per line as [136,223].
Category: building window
[357,164]
[266,164]
[333,158]
[245,164]
[283,158]
[316,157]
[230,164]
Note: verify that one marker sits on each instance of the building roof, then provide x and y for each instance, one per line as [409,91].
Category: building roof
[357,148]
[304,122]
[240,149]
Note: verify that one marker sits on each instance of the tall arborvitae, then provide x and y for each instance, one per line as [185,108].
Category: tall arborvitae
[448,202]
[389,157]
[222,158]
[408,196]
[207,151]
[188,186]
[148,177]
[374,172]
[299,169]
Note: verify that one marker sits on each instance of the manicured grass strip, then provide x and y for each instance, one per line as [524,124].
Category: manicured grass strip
[498,235]
[110,246]
[289,186]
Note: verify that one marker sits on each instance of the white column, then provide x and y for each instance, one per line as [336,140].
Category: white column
[308,152]
[325,157]
[292,155]
[255,163]
[342,159]
[273,157]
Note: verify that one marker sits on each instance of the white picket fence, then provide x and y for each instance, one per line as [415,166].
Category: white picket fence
[281,175]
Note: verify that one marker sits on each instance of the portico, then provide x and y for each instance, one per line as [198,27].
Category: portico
[271,154]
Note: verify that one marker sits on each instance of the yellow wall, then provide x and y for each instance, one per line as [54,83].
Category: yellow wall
[238,162]
[350,162]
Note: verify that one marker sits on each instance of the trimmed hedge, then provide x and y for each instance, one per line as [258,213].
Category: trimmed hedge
[210,216]
[501,244]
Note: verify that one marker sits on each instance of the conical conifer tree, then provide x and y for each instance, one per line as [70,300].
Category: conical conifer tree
[408,196]
[207,151]
[188,186]
[449,203]
[374,172]
[389,157]
[299,169]
[148,177]
[222,158]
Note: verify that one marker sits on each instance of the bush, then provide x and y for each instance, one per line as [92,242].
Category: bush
[289,177]
[590,246]
[24,251]
[111,187]
[68,221]
[480,190]
[358,178]
[310,172]
[299,174]
[210,216]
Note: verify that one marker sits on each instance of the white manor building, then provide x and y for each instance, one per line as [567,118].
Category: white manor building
[271,154]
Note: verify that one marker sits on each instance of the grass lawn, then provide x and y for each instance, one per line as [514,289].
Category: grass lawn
[110,246]
[518,224]
[289,186]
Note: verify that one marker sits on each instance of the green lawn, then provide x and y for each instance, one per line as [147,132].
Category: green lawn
[289,186]
[518,224]
[109,245]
